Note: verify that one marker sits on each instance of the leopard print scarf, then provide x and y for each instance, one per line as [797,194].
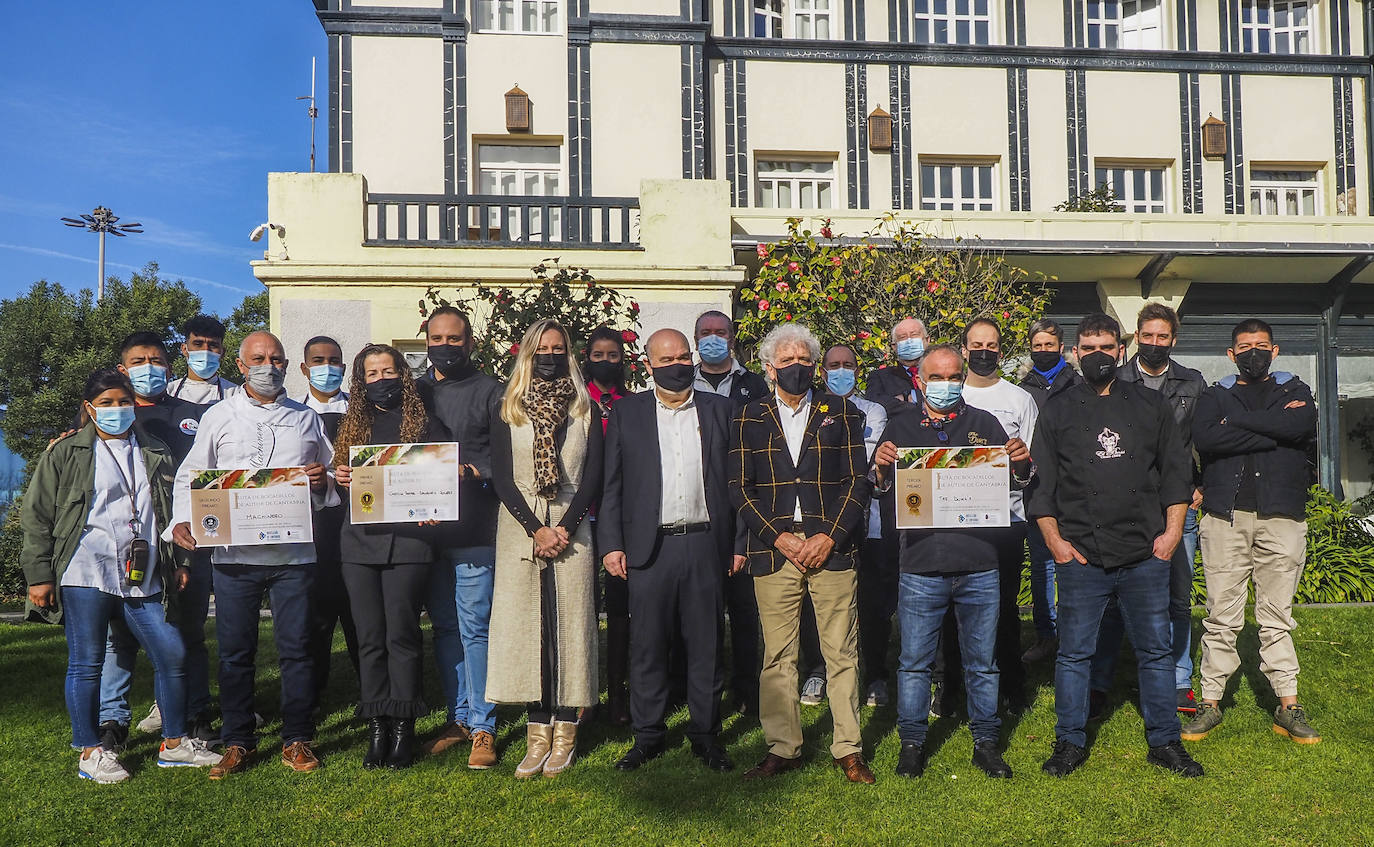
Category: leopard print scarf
[546,403]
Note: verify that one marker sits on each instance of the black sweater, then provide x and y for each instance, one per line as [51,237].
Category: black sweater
[503,475]
[467,405]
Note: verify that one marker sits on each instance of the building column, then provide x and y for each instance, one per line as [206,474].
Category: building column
[1124,298]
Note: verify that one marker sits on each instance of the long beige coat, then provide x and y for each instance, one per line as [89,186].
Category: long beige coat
[514,642]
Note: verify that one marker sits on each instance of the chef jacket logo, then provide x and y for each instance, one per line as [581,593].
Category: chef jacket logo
[1110,442]
[189,426]
[976,439]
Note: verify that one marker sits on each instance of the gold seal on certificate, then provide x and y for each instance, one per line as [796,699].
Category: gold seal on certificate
[396,483]
[246,507]
[953,487]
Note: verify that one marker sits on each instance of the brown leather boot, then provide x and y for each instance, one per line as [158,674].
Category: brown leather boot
[538,744]
[483,754]
[564,751]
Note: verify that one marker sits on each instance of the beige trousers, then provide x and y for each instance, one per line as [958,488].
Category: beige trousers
[1270,552]
[780,601]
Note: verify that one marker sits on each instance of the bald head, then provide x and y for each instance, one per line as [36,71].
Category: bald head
[262,347]
[942,362]
[667,346]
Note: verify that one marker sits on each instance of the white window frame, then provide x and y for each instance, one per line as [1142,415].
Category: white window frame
[766,186]
[795,18]
[1121,24]
[927,16]
[959,199]
[1284,187]
[521,172]
[1127,193]
[1260,31]
[486,16]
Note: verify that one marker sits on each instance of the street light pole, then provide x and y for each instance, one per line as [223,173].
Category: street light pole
[101,220]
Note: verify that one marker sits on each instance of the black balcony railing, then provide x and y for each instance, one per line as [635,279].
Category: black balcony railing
[492,220]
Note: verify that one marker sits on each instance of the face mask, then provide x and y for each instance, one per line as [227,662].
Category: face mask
[203,363]
[674,378]
[840,381]
[1254,363]
[448,359]
[1098,368]
[983,362]
[1044,360]
[713,349]
[326,378]
[113,420]
[943,395]
[265,380]
[385,393]
[911,349]
[606,372]
[1155,355]
[550,365]
[795,379]
[149,379]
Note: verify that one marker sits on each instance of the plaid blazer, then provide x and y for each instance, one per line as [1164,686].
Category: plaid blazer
[830,479]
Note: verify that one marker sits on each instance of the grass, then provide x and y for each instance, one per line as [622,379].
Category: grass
[1259,789]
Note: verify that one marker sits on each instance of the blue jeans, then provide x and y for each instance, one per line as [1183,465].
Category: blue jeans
[1041,583]
[459,604]
[921,605]
[121,649]
[86,616]
[1142,594]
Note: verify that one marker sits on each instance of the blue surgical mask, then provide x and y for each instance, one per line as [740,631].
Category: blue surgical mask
[113,420]
[943,395]
[203,363]
[840,381]
[326,378]
[713,349]
[149,379]
[911,349]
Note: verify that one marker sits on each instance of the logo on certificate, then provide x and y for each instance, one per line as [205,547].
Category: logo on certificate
[913,503]
[210,524]
[367,500]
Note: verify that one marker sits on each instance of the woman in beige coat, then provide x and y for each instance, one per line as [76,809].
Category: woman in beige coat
[546,466]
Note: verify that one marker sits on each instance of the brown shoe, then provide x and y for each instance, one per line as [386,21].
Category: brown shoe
[855,768]
[299,757]
[772,766]
[233,760]
[449,735]
[483,754]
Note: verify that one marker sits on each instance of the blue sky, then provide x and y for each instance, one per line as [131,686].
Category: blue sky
[171,114]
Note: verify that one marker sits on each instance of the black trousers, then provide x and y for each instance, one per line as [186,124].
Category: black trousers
[1011,555]
[878,573]
[329,600]
[679,593]
[386,602]
[745,637]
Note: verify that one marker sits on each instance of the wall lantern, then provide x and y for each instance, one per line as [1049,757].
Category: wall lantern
[517,110]
[880,130]
[1213,138]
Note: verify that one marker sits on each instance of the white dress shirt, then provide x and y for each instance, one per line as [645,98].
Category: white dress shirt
[338,403]
[241,433]
[1015,409]
[683,499]
[875,421]
[105,539]
[204,392]
[794,430]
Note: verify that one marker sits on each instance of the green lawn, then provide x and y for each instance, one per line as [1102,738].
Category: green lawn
[1259,788]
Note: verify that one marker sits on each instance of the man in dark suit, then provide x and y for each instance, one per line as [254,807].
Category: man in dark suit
[894,385]
[798,479]
[665,524]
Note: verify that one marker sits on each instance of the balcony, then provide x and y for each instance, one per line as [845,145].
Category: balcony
[490,220]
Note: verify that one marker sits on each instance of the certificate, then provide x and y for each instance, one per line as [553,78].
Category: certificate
[243,507]
[395,483]
[939,487]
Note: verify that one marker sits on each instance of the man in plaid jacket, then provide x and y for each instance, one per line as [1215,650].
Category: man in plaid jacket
[800,484]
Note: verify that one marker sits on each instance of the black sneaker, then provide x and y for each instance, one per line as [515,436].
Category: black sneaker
[1067,758]
[1097,706]
[202,727]
[940,703]
[113,734]
[1173,757]
[911,762]
[989,761]
[1187,702]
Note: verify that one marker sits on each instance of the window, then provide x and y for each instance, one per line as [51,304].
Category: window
[795,184]
[1276,26]
[1284,193]
[1132,24]
[1138,188]
[951,21]
[768,18]
[800,19]
[957,186]
[521,171]
[530,16]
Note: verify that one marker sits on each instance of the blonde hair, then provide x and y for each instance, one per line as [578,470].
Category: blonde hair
[522,374]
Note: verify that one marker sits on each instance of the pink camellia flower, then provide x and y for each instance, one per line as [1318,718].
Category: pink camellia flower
[782,286]
[634,307]
[837,261]
[762,250]
[424,327]
[863,334]
[629,336]
[792,266]
[763,305]
[932,286]
[826,233]
[1006,315]
[789,317]
[514,349]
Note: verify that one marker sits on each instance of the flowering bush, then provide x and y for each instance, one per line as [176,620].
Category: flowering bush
[570,295]
[852,291]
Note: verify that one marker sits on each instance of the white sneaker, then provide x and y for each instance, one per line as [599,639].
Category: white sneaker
[152,723]
[813,692]
[877,693]
[190,753]
[102,767]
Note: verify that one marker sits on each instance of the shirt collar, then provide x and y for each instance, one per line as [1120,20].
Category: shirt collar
[690,404]
[596,392]
[803,406]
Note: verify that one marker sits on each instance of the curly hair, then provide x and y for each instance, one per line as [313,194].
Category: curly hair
[355,429]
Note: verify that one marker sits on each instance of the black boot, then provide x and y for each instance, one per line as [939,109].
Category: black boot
[402,752]
[378,739]
[617,670]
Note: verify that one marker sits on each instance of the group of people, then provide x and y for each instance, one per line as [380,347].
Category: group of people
[717,494]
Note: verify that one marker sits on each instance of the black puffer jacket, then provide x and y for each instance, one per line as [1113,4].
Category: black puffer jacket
[1043,390]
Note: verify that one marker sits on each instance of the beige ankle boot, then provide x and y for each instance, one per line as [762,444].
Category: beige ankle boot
[538,742]
[564,748]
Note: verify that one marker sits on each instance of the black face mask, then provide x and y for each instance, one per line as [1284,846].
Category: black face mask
[605,372]
[796,379]
[550,365]
[1098,368]
[675,377]
[1045,360]
[385,393]
[448,359]
[1155,355]
[983,362]
[1254,363]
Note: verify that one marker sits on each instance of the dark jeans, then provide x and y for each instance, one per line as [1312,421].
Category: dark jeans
[743,609]
[1142,593]
[1011,550]
[239,590]
[330,607]
[386,602]
[877,573]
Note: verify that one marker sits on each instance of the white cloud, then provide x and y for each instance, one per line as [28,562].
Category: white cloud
[57,254]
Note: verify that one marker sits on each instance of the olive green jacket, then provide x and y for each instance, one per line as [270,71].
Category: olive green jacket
[58,502]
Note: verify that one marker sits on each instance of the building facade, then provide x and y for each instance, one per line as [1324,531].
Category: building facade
[657,142]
